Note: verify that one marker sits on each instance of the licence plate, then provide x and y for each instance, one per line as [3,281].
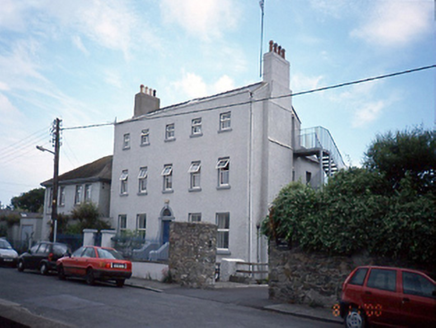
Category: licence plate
[7,260]
[118,266]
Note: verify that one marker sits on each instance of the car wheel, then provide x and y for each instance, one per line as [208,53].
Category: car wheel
[20,266]
[120,282]
[90,280]
[354,319]
[43,269]
[61,273]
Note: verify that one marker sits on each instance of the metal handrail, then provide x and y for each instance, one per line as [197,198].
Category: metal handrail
[320,138]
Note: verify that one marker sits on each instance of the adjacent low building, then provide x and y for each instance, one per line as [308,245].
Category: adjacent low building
[88,183]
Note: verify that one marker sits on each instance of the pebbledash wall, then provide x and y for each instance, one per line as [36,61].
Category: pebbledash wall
[313,278]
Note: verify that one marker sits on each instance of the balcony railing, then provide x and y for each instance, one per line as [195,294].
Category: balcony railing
[319,138]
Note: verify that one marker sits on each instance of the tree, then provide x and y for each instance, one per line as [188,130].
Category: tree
[405,154]
[31,201]
[89,217]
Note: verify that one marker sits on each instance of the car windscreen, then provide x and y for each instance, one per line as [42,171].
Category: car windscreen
[4,244]
[109,254]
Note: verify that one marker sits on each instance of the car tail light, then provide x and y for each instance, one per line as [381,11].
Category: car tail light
[108,265]
[50,257]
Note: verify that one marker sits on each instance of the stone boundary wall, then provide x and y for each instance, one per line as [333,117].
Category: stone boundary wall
[313,278]
[192,253]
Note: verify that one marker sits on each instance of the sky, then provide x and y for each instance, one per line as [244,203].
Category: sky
[83,61]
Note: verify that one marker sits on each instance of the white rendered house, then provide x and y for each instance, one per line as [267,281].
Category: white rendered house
[220,159]
[88,183]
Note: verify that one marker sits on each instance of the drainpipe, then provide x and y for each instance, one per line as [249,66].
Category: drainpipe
[250,209]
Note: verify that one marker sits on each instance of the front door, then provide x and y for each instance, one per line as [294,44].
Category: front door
[165,231]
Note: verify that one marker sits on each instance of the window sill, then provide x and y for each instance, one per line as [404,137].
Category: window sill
[223,251]
[169,191]
[223,187]
[170,140]
[124,195]
[142,193]
[194,189]
[225,130]
[126,148]
[145,145]
[196,135]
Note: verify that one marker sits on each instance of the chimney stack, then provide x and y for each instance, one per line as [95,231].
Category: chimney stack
[275,66]
[146,101]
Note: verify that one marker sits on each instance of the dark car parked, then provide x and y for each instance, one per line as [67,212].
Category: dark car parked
[42,257]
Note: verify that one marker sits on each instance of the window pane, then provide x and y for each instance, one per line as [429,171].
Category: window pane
[382,279]
[416,284]
[359,277]
[223,239]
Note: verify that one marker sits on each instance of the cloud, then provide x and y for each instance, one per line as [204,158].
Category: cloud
[193,86]
[225,83]
[333,8]
[205,19]
[77,41]
[368,113]
[300,82]
[9,114]
[11,15]
[396,23]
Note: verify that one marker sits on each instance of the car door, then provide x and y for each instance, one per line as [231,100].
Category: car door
[70,263]
[418,305]
[85,260]
[381,294]
[38,256]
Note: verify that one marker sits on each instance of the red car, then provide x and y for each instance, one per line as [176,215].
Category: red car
[390,297]
[95,263]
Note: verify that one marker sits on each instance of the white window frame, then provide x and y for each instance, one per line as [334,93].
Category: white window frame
[88,192]
[194,217]
[167,174]
[195,178]
[62,196]
[122,223]
[223,167]
[170,130]
[141,228]
[78,195]
[145,137]
[142,180]
[196,128]
[126,141]
[225,121]
[124,178]
[223,230]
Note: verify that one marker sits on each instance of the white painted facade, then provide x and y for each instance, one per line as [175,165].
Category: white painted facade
[259,146]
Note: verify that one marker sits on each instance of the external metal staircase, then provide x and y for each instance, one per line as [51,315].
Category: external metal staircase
[318,142]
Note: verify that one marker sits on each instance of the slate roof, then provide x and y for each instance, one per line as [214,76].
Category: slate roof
[99,170]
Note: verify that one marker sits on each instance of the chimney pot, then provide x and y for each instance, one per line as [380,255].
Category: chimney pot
[283,53]
[154,93]
[271,42]
[141,88]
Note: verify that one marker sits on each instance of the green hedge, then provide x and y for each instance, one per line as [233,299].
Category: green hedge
[356,211]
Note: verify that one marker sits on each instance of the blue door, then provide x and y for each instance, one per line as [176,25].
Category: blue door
[165,231]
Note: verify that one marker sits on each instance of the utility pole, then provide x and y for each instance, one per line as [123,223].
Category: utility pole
[54,205]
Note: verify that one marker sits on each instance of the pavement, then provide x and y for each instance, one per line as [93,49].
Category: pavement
[12,315]
[305,311]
